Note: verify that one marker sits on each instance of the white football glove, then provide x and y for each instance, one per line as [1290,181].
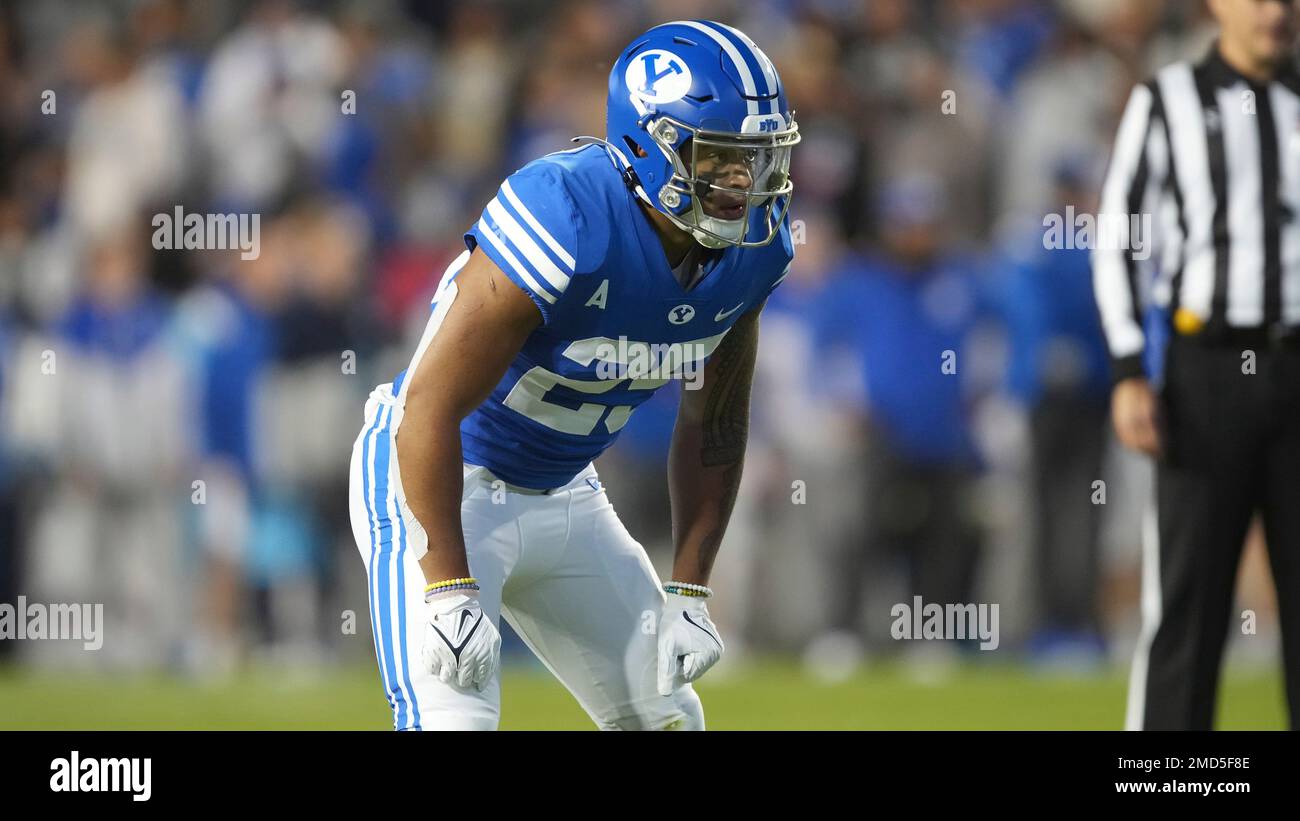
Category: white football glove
[461,644]
[688,642]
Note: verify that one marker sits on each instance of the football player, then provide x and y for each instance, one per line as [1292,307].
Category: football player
[593,277]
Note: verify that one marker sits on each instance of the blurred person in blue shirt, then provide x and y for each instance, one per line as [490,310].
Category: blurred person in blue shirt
[907,313]
[320,329]
[110,529]
[226,329]
[803,478]
[1059,370]
[371,159]
[996,40]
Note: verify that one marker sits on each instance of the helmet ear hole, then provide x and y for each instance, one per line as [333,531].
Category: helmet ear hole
[635,147]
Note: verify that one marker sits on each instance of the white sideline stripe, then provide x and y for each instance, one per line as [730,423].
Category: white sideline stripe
[537,226]
[746,78]
[1151,605]
[525,245]
[513,261]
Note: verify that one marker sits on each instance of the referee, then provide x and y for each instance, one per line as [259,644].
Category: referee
[1211,152]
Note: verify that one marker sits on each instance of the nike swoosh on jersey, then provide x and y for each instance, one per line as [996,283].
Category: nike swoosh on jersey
[724,314]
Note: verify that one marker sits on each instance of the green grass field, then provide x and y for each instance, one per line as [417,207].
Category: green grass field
[766,696]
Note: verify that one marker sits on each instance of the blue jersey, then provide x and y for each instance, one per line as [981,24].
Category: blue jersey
[616,324]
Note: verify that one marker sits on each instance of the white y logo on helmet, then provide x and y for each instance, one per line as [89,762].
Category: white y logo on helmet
[658,76]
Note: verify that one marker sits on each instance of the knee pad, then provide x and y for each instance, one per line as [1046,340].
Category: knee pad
[682,711]
[448,720]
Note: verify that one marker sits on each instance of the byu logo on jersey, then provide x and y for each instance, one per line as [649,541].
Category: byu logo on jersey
[681,314]
[658,76]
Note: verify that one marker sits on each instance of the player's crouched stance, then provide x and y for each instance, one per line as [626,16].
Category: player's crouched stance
[593,277]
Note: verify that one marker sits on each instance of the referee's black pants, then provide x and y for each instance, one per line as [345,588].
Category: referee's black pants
[1232,447]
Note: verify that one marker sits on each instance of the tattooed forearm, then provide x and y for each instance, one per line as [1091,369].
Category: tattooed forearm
[708,452]
[726,408]
[712,540]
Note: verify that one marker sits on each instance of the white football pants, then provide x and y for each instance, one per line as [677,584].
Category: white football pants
[560,568]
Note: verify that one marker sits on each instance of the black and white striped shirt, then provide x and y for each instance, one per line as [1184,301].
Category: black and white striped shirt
[1214,159]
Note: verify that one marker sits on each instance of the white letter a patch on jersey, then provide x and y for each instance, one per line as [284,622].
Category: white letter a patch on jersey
[598,298]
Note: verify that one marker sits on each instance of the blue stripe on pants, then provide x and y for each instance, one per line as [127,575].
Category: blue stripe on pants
[371,595]
[401,615]
[386,553]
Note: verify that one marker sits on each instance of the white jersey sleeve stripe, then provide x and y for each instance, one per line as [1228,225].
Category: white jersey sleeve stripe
[537,227]
[532,252]
[513,262]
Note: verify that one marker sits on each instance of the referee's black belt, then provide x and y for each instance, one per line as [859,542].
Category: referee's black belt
[1242,338]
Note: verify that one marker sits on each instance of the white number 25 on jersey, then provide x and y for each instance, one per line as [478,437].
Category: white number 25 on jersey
[528,394]
[528,397]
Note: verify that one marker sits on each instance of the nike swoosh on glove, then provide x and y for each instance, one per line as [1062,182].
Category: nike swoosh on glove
[688,642]
[461,644]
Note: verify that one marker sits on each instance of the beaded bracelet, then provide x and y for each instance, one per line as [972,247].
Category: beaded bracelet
[433,594]
[688,589]
[466,580]
[468,583]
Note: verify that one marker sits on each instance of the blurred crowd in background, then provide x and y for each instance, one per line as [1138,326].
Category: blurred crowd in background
[931,402]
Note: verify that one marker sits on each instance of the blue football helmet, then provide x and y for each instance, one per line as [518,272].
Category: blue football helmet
[706,88]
